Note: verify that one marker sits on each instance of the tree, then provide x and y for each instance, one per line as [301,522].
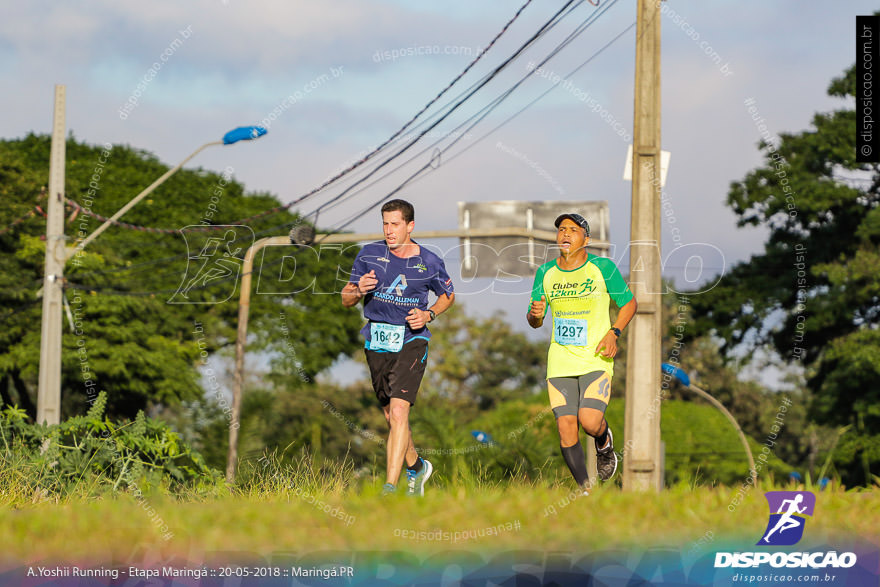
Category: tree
[813,295]
[131,335]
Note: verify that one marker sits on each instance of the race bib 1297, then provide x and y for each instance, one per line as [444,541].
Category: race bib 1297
[569,331]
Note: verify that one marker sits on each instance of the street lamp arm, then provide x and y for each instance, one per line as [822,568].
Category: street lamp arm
[730,417]
[148,190]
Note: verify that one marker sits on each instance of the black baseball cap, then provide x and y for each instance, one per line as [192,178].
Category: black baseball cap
[576,218]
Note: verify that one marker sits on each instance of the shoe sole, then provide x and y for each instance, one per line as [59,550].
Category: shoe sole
[429,469]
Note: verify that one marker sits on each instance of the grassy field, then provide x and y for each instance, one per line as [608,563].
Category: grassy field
[484,520]
[288,507]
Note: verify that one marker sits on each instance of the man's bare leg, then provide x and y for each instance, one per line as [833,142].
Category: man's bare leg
[400,444]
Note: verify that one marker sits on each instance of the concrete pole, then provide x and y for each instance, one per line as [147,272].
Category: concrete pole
[244,307]
[49,390]
[642,460]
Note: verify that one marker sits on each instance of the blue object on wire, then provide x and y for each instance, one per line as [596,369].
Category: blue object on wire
[482,437]
[677,373]
[243,133]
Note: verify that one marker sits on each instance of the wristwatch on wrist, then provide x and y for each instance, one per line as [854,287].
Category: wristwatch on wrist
[616,331]
[433,315]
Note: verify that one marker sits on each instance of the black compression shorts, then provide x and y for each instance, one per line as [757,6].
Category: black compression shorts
[398,374]
[569,394]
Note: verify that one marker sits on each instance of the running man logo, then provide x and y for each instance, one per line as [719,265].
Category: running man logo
[212,274]
[586,287]
[398,287]
[787,516]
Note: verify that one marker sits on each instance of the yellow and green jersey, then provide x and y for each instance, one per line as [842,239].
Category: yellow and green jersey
[579,301]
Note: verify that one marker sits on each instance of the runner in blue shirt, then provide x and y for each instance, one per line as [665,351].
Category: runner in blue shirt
[393,277]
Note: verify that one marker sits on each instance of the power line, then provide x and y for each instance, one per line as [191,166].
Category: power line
[480,115]
[543,94]
[350,168]
[394,135]
[462,98]
[549,25]
[468,94]
[424,108]
[485,111]
[32,212]
[474,88]
[19,220]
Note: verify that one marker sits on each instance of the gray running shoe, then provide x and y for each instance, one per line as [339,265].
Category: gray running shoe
[606,459]
[415,482]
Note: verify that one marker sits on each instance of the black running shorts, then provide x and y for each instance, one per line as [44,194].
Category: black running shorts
[398,374]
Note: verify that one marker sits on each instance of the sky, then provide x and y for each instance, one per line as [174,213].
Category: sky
[332,80]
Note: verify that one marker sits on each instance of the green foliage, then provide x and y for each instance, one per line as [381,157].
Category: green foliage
[126,339]
[813,295]
[89,455]
[754,407]
[702,446]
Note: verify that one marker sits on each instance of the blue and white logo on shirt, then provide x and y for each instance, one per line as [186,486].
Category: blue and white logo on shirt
[398,286]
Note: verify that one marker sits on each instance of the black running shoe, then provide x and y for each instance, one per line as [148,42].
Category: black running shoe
[606,459]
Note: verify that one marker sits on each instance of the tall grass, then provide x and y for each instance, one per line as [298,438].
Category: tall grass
[274,476]
[296,504]
[291,499]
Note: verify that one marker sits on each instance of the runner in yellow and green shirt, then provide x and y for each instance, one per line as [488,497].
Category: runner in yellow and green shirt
[578,287]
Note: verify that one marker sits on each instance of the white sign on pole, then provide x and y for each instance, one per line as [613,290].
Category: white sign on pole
[664,165]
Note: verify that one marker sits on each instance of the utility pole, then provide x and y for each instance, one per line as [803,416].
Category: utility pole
[57,254]
[49,391]
[642,461]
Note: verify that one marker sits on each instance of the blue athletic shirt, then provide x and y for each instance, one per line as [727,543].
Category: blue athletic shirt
[403,285]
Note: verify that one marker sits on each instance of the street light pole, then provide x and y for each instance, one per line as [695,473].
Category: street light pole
[57,255]
[49,389]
